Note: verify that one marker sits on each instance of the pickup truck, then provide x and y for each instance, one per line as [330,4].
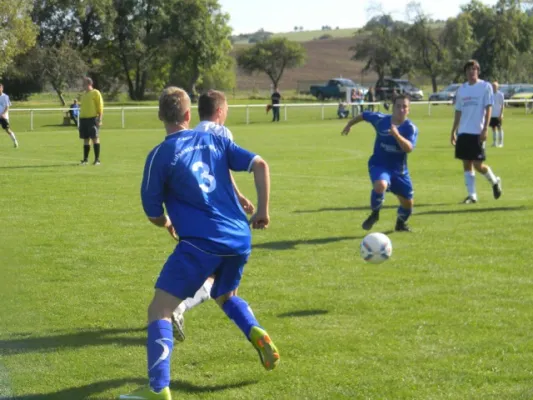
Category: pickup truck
[334,89]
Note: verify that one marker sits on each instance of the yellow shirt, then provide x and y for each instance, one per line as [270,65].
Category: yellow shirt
[92,104]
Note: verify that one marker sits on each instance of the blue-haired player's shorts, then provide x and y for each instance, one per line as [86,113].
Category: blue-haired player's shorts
[399,184]
[188,267]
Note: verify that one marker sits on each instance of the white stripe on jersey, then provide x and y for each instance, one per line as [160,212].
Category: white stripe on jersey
[150,168]
[214,129]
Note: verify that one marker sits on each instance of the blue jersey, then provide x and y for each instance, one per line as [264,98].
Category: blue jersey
[189,173]
[387,151]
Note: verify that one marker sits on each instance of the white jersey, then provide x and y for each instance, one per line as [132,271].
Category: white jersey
[472,101]
[214,129]
[4,103]
[499,102]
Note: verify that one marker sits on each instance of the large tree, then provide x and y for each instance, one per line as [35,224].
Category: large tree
[272,57]
[17,33]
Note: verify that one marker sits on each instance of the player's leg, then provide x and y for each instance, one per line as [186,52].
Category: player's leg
[500,134]
[11,134]
[470,182]
[96,142]
[494,180]
[183,273]
[224,291]
[380,181]
[203,294]
[466,150]
[85,136]
[402,187]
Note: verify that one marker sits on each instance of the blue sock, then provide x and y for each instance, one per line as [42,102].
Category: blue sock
[159,347]
[240,312]
[404,213]
[376,200]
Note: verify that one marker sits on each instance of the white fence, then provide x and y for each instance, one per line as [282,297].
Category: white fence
[248,108]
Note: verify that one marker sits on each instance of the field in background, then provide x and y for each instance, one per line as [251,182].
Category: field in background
[448,317]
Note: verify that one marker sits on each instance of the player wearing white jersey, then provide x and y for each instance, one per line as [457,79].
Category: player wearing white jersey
[473,107]
[4,115]
[496,120]
[213,111]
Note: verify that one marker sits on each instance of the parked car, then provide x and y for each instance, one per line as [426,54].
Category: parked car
[446,94]
[385,87]
[507,91]
[335,89]
[524,92]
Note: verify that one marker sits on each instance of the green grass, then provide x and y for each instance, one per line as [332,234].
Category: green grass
[448,317]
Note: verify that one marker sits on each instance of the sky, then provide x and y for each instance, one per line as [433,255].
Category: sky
[248,16]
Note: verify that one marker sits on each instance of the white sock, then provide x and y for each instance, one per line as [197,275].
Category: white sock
[500,139]
[203,294]
[470,181]
[490,176]
[13,137]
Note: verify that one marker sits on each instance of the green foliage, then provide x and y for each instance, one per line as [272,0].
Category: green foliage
[17,33]
[272,57]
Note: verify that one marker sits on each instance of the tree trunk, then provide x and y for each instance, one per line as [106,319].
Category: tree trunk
[61,98]
[434,83]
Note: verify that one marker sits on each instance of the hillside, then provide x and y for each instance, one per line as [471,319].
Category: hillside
[325,59]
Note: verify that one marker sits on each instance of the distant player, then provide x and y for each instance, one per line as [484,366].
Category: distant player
[4,115]
[213,111]
[496,120]
[396,136]
[189,175]
[473,108]
[91,114]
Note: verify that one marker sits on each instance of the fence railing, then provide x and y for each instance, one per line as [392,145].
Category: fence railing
[354,108]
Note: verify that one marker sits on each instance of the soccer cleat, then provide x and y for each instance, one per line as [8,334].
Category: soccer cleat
[178,323]
[268,352]
[83,162]
[469,200]
[96,162]
[16,145]
[371,220]
[497,188]
[401,226]
[147,393]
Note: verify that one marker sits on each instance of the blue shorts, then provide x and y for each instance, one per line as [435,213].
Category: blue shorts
[399,184]
[188,267]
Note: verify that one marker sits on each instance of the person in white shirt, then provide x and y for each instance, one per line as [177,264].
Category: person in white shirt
[213,111]
[4,115]
[496,120]
[473,107]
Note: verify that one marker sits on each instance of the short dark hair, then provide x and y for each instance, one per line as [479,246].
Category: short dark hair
[471,63]
[401,96]
[88,80]
[209,102]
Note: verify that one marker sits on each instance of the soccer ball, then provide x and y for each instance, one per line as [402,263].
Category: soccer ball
[376,248]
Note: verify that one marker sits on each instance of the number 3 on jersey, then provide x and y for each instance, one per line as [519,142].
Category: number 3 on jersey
[206,182]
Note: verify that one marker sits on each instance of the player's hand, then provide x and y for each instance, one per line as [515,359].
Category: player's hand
[483,136]
[259,220]
[453,139]
[172,232]
[246,205]
[345,131]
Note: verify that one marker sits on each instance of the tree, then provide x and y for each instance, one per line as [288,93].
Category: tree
[17,33]
[272,57]
[458,40]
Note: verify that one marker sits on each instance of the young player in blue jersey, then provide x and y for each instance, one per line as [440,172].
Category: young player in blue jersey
[396,136]
[213,111]
[188,174]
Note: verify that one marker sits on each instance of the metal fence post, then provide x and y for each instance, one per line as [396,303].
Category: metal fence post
[123,118]
[247,114]
[322,111]
[286,112]
[31,120]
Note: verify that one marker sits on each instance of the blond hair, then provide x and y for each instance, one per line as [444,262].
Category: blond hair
[174,102]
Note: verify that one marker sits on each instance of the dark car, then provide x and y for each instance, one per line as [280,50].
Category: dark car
[386,86]
[446,94]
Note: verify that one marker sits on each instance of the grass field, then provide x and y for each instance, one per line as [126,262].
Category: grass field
[448,317]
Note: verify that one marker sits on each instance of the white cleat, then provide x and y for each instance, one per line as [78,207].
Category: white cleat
[178,322]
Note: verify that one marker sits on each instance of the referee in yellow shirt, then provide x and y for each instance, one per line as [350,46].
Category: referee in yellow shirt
[91,113]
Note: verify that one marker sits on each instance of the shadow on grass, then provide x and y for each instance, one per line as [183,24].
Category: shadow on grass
[472,210]
[303,313]
[71,340]
[39,166]
[291,244]
[366,208]
[83,392]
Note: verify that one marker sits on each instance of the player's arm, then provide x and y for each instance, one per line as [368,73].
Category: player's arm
[152,192]
[404,143]
[351,123]
[488,113]
[99,108]
[456,120]
[260,169]
[243,200]
[4,112]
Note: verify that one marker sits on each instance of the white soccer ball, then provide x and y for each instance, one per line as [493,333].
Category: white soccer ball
[376,248]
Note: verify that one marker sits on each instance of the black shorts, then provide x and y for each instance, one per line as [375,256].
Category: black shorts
[4,123]
[88,128]
[495,122]
[469,148]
